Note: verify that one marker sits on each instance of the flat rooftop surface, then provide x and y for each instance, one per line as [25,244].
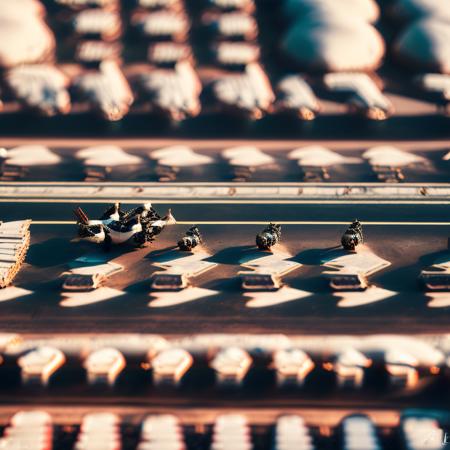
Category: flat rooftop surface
[409,236]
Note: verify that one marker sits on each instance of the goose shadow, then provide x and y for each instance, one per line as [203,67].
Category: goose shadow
[166,254]
[317,256]
[53,252]
[237,255]
[406,278]
[437,257]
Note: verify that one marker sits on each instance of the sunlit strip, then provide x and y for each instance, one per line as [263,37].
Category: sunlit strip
[231,201]
[264,222]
